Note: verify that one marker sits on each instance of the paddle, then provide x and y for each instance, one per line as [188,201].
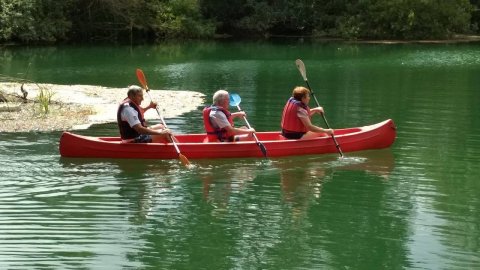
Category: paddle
[143,82]
[235,102]
[303,72]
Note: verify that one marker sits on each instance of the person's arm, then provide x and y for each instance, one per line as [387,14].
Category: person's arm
[220,119]
[150,106]
[239,131]
[302,114]
[143,130]
[318,110]
[131,116]
[239,114]
[311,127]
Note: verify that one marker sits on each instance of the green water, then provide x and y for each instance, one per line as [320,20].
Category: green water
[413,206]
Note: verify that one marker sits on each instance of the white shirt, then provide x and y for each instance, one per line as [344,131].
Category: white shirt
[130,115]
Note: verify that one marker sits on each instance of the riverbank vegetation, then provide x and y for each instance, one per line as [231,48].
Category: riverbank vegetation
[52,21]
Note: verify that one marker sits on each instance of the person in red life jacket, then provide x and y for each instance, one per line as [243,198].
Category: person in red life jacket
[131,121]
[218,121]
[296,123]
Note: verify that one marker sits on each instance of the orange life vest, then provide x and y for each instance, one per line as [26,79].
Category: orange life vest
[216,134]
[290,120]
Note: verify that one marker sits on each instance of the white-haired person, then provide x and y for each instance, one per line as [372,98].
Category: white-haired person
[218,121]
[131,120]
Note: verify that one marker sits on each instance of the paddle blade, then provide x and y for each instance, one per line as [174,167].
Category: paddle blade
[141,78]
[263,149]
[184,160]
[301,68]
[235,99]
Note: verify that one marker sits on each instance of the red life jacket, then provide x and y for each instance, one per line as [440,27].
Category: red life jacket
[127,132]
[216,134]
[290,120]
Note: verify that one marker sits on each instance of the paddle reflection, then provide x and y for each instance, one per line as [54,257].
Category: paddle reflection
[376,162]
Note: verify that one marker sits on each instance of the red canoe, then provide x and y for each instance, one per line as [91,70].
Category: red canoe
[375,136]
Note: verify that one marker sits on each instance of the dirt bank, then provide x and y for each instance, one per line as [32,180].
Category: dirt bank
[79,106]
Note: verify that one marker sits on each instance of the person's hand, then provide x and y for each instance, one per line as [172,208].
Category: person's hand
[152,105]
[329,131]
[166,131]
[240,114]
[318,110]
[251,130]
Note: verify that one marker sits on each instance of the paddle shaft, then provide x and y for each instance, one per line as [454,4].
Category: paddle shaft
[324,118]
[164,124]
[143,81]
[262,147]
[248,124]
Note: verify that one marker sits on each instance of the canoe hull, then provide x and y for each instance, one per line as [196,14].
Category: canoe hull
[376,136]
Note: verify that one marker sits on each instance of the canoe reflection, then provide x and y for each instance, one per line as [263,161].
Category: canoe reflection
[138,182]
[142,184]
[302,179]
[377,162]
[221,181]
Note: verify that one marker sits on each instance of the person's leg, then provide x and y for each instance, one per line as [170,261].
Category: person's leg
[311,135]
[164,138]
[158,126]
[161,138]
[244,137]
[292,135]
[143,138]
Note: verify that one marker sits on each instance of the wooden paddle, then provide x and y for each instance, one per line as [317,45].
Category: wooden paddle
[303,72]
[235,102]
[143,81]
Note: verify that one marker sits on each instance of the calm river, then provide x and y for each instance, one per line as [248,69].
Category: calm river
[413,206]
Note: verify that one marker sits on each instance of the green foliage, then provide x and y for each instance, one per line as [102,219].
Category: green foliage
[475,25]
[224,13]
[28,21]
[140,20]
[276,17]
[409,19]
[44,98]
[402,19]
[180,19]
[34,20]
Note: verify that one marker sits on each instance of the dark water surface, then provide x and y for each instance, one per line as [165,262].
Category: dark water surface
[415,205]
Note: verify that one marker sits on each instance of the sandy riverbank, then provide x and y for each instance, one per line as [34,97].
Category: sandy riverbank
[79,106]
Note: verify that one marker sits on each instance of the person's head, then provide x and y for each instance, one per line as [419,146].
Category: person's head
[301,93]
[135,93]
[221,98]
